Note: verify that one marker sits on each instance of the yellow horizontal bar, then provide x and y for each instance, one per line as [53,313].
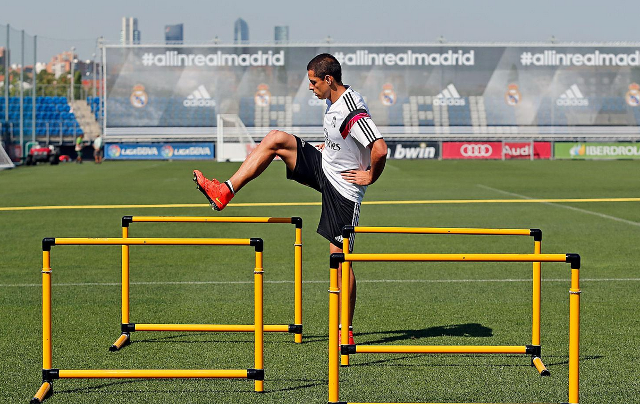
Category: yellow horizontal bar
[210,327]
[151,373]
[152,241]
[459,257]
[445,349]
[200,219]
[442,230]
[417,202]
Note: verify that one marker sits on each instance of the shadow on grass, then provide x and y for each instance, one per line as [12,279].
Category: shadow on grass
[456,330]
[526,361]
[103,388]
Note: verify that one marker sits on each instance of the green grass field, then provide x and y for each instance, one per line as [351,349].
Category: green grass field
[425,304]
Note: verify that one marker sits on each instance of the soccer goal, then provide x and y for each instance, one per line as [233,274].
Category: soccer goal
[234,142]
[5,161]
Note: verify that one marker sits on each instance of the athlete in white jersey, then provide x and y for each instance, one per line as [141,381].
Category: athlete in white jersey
[352,157]
[348,132]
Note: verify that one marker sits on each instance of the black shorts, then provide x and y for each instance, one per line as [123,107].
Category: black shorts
[337,211]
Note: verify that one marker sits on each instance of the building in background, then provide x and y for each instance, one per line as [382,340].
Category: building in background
[129,35]
[3,54]
[61,63]
[240,31]
[174,34]
[281,34]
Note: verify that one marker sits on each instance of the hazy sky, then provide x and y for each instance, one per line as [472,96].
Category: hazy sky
[65,23]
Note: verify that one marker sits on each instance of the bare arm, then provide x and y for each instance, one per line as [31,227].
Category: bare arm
[378,160]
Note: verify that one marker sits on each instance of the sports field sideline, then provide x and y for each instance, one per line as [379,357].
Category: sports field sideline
[588,207]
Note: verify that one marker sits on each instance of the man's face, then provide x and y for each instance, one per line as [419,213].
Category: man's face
[319,86]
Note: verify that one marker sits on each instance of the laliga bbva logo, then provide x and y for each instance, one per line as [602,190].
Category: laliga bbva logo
[200,97]
[572,98]
[577,150]
[113,151]
[449,96]
[166,151]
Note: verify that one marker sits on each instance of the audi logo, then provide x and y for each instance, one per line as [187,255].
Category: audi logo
[476,150]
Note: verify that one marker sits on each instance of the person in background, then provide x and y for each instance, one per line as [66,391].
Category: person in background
[79,145]
[97,149]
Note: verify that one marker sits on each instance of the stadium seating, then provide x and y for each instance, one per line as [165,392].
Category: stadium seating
[53,116]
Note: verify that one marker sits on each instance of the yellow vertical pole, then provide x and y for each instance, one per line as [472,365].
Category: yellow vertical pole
[537,286]
[344,313]
[333,335]
[258,319]
[574,335]
[125,277]
[298,282]
[46,310]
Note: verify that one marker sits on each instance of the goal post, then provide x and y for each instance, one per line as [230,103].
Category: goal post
[5,161]
[234,143]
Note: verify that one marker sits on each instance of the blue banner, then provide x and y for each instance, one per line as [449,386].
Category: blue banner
[159,151]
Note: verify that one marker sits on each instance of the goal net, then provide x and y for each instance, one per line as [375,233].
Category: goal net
[5,161]
[234,142]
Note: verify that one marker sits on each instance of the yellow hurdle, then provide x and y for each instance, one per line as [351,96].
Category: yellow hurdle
[127,327]
[345,349]
[534,349]
[49,373]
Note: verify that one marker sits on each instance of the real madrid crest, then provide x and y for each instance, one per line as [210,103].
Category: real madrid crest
[512,96]
[263,96]
[633,95]
[388,96]
[139,97]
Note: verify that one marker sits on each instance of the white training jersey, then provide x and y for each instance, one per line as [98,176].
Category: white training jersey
[348,131]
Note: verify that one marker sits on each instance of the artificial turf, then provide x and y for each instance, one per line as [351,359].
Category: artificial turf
[410,303]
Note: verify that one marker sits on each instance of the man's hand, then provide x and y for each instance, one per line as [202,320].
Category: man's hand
[357,177]
[320,146]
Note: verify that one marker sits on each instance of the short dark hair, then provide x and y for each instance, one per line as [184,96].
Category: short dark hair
[326,64]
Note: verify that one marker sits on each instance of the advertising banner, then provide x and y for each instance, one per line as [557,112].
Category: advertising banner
[522,150]
[167,151]
[404,86]
[587,150]
[413,150]
[472,150]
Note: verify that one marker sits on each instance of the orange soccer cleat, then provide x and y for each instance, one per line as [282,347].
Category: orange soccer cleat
[216,192]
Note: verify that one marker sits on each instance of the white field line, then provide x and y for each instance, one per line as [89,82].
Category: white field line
[602,215]
[31,285]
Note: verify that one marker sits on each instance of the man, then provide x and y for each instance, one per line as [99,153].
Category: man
[352,157]
[78,148]
[97,149]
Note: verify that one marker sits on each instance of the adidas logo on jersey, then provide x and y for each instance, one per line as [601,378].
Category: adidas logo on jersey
[572,98]
[199,98]
[449,96]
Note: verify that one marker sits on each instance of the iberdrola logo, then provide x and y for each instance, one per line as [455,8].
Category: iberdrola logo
[578,150]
